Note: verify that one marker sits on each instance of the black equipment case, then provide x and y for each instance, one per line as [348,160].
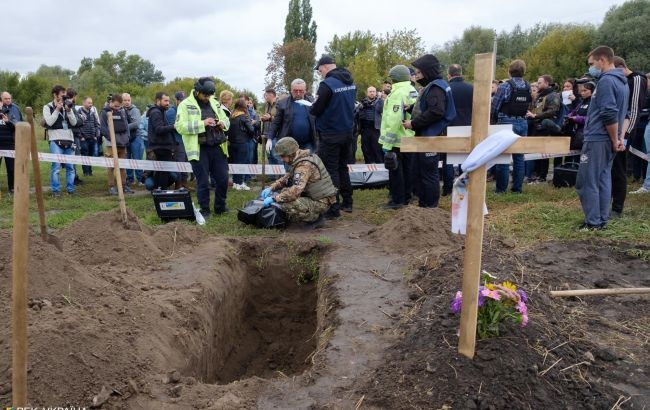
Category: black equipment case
[171,204]
[565,175]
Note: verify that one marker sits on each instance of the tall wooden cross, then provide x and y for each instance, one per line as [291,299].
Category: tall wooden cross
[483,75]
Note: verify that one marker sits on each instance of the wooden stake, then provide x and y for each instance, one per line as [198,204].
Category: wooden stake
[484,73]
[116,168]
[592,292]
[37,173]
[19,267]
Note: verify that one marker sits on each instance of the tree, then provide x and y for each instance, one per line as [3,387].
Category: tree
[295,56]
[562,53]
[345,48]
[125,69]
[34,91]
[298,24]
[625,29]
[9,81]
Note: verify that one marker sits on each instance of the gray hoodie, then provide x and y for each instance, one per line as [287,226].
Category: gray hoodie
[609,105]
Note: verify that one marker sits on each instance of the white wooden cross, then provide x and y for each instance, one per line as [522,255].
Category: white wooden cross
[484,73]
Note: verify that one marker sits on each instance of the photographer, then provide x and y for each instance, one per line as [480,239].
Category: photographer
[9,116]
[59,117]
[122,135]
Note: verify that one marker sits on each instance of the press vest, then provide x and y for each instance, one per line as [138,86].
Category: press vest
[519,102]
[439,126]
[321,188]
[338,116]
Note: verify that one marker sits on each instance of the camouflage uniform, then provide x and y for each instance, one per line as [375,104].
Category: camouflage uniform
[294,196]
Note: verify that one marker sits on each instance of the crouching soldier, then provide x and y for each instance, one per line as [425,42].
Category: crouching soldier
[306,191]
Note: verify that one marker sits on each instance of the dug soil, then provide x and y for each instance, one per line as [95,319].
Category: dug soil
[349,316]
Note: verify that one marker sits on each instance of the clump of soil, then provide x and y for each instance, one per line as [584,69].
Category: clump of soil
[575,353]
[422,233]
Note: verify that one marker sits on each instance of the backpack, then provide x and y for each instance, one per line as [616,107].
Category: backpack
[519,101]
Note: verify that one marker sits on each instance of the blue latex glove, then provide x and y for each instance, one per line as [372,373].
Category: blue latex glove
[265,193]
[385,150]
[268,201]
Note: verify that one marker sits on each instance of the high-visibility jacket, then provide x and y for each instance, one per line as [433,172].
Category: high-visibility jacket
[401,96]
[189,124]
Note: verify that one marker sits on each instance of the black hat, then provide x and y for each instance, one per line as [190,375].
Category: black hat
[324,59]
[205,85]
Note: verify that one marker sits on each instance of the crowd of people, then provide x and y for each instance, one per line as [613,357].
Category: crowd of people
[316,137]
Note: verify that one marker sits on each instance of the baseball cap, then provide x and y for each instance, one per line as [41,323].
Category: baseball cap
[180,95]
[324,59]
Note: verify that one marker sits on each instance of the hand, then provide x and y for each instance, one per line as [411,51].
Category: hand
[221,125]
[407,124]
[59,106]
[266,117]
[269,146]
[268,201]
[265,193]
[618,146]
[209,122]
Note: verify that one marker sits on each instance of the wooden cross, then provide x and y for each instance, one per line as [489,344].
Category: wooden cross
[484,73]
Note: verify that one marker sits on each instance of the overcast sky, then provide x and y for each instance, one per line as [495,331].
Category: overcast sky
[231,39]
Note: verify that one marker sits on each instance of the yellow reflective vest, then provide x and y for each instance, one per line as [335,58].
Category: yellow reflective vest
[189,124]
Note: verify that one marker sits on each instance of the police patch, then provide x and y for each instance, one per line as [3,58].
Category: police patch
[396,108]
[296,178]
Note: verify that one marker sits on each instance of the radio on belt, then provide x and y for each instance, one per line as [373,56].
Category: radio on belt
[173,204]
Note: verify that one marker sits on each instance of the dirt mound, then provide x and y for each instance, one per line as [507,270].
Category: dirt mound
[575,353]
[422,233]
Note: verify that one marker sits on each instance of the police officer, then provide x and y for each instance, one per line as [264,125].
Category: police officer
[305,192]
[202,123]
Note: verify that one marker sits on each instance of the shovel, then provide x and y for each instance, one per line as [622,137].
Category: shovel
[47,237]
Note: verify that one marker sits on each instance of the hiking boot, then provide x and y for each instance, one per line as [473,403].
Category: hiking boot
[346,208]
[77,181]
[205,213]
[392,205]
[127,190]
[318,223]
[332,214]
[56,195]
[112,191]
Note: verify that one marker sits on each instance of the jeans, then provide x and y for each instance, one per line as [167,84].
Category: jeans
[56,167]
[334,151]
[238,154]
[88,148]
[212,161]
[135,150]
[519,127]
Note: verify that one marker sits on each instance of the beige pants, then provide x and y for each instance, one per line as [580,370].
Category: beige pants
[110,172]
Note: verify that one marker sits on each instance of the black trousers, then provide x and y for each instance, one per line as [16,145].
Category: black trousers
[9,164]
[619,181]
[425,173]
[400,181]
[334,151]
[162,179]
[372,152]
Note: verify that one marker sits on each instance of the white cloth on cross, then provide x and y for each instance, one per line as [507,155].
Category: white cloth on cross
[482,154]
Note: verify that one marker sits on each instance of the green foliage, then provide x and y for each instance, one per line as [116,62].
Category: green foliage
[461,51]
[562,53]
[9,81]
[625,29]
[127,69]
[298,24]
[33,91]
[369,57]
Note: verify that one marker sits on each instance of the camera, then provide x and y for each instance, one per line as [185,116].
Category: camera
[6,110]
[109,98]
[68,103]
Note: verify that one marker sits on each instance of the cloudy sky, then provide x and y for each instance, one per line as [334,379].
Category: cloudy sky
[231,39]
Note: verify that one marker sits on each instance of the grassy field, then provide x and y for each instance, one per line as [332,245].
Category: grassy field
[541,213]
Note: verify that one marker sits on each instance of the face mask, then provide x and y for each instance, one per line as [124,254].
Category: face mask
[594,72]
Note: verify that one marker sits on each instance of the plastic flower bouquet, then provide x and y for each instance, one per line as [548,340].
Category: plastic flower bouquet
[497,302]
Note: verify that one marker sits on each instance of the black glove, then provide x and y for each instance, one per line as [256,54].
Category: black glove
[390,161]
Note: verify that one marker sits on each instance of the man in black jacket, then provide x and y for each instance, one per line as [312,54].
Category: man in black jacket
[463,94]
[161,138]
[292,118]
[334,112]
[9,117]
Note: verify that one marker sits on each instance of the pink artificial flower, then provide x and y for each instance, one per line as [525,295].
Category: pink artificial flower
[522,308]
[524,319]
[492,294]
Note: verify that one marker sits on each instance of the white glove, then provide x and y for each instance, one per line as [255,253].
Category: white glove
[269,146]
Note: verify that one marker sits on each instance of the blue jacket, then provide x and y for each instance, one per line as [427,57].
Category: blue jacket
[334,107]
[421,107]
[609,105]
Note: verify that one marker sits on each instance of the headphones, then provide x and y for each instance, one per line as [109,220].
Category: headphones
[204,85]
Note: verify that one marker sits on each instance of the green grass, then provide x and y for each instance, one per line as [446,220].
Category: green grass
[541,213]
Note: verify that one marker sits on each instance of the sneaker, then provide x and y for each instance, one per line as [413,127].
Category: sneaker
[346,208]
[222,211]
[112,191]
[78,181]
[332,214]
[318,223]
[237,187]
[205,213]
[642,190]
[127,190]
[71,193]
[615,214]
[56,195]
[585,227]
[244,187]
